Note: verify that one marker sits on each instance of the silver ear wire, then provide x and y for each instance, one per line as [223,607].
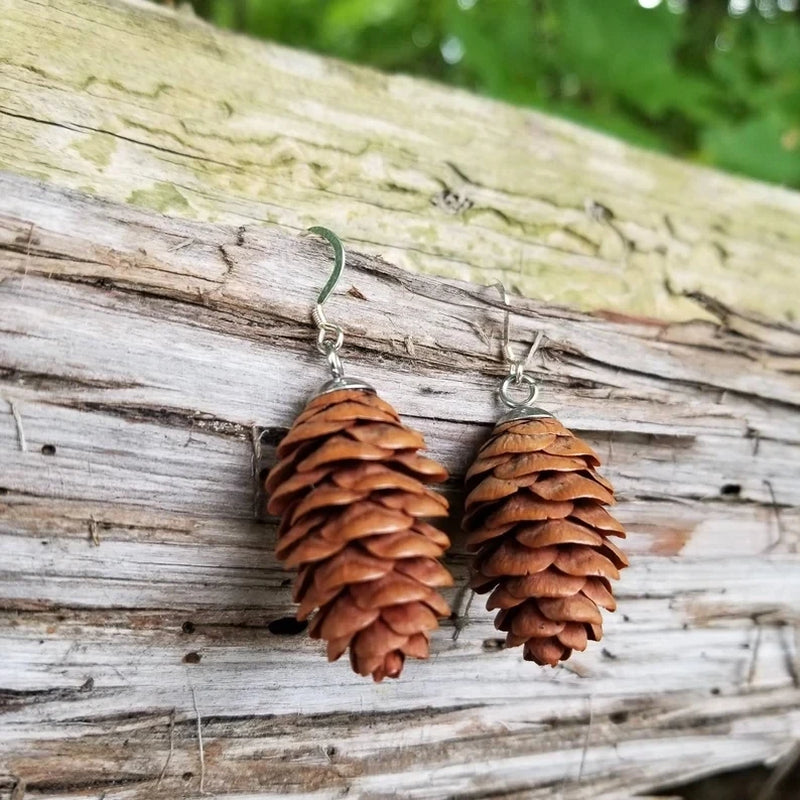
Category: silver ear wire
[516,366]
[517,375]
[330,337]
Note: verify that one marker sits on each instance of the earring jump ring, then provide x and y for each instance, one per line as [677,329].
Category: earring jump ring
[526,380]
[329,337]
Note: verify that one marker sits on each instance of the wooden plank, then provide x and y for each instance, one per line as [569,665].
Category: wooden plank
[146,106]
[150,365]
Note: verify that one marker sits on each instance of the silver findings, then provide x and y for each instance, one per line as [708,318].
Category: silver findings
[338,262]
[525,380]
[517,376]
[330,337]
[525,412]
[335,384]
[334,362]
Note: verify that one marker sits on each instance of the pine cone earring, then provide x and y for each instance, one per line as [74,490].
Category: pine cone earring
[350,488]
[535,514]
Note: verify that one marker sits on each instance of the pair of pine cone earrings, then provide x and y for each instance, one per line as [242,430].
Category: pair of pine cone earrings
[352,493]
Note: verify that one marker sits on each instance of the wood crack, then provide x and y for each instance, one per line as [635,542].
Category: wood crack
[75,126]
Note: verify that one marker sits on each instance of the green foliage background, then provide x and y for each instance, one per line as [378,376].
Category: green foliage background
[714,81]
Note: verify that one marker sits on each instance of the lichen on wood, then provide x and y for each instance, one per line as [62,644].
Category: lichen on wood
[141,105]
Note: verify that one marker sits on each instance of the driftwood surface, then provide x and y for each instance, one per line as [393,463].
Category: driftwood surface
[150,363]
[149,366]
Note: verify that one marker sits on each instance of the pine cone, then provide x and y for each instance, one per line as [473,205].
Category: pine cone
[349,488]
[535,516]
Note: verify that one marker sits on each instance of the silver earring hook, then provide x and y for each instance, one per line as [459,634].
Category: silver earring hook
[338,261]
[330,337]
[517,376]
[507,354]
[516,366]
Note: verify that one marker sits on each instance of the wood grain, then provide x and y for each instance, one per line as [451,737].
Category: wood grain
[150,364]
[142,105]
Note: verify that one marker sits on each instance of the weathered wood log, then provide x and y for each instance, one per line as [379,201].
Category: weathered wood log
[139,352]
[149,364]
[140,105]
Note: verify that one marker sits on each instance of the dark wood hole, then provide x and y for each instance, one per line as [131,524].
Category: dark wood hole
[287,626]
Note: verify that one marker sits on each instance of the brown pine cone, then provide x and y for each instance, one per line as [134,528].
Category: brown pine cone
[534,513]
[349,488]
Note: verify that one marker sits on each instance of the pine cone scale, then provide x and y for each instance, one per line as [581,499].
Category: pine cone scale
[349,566]
[556,531]
[427,571]
[348,402]
[410,618]
[576,608]
[389,437]
[599,592]
[527,621]
[580,560]
[614,554]
[363,519]
[511,558]
[342,617]
[370,477]
[341,448]
[526,508]
[426,469]
[393,589]
[531,463]
[297,485]
[597,517]
[402,544]
[311,549]
[302,434]
[547,583]
[516,443]
[570,486]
